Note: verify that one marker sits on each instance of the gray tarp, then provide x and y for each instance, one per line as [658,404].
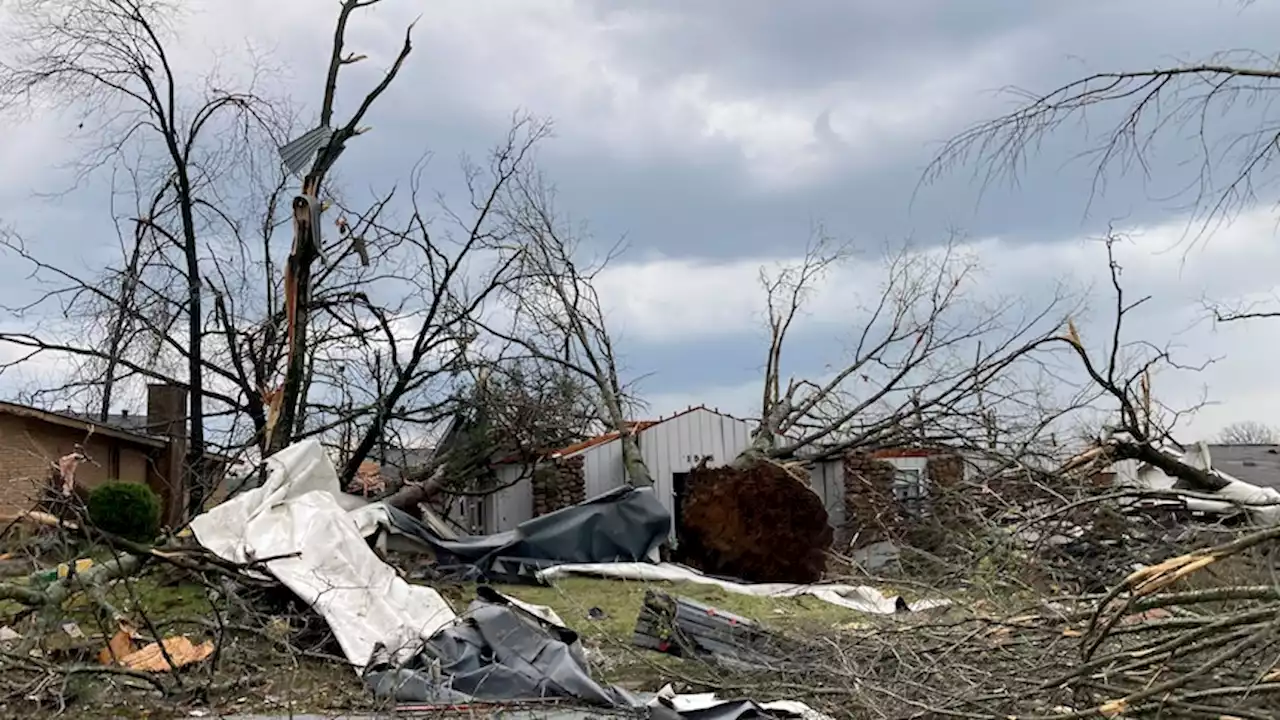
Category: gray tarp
[498,652]
[623,525]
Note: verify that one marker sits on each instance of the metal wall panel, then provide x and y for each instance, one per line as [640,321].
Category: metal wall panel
[509,507]
[827,480]
[672,446]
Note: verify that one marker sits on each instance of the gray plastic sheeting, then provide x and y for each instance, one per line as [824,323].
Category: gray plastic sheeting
[497,651]
[500,653]
[623,525]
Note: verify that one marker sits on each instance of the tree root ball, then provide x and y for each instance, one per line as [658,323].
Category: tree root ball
[758,524]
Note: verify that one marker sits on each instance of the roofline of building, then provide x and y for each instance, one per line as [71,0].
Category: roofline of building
[639,426]
[57,418]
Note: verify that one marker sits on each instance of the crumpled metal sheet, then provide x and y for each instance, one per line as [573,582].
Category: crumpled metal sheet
[623,525]
[499,652]
[297,153]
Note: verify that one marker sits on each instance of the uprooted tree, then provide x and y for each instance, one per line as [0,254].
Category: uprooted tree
[932,362]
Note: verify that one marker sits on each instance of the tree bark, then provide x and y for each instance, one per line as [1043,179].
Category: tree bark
[633,461]
[1195,477]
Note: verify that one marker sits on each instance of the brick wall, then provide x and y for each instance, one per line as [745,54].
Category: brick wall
[28,447]
[557,485]
[870,512]
[874,514]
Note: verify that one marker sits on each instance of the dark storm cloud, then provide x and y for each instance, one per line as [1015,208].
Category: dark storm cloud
[763,46]
[679,201]
[701,204]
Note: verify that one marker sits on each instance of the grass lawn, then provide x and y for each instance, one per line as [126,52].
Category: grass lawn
[608,639]
[573,598]
[176,605]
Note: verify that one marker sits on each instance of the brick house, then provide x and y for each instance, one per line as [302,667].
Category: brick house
[145,449]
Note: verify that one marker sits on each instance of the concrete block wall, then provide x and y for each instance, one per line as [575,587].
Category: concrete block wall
[874,514]
[871,513]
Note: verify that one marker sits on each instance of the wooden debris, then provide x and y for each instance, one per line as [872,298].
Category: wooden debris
[179,648]
[122,650]
[689,629]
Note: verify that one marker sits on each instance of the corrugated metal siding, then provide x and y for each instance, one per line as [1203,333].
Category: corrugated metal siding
[671,446]
[827,480]
[509,507]
[602,468]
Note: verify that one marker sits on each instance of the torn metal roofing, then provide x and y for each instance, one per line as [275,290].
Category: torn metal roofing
[1255,464]
[297,154]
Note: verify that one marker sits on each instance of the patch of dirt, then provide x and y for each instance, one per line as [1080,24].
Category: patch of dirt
[758,524]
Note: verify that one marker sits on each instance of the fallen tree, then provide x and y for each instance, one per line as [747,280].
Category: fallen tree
[926,355]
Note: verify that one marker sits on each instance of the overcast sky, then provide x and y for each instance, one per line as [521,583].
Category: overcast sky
[713,135]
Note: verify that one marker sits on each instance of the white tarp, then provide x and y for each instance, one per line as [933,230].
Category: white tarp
[300,517]
[695,702]
[855,597]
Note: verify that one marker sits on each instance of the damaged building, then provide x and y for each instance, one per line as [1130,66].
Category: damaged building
[674,445]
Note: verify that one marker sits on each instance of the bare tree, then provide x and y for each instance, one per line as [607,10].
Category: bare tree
[555,311]
[307,209]
[1142,427]
[1249,432]
[786,291]
[927,359]
[1209,99]
[107,61]
[455,276]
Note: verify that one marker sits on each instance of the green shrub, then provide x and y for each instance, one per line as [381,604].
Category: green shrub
[130,510]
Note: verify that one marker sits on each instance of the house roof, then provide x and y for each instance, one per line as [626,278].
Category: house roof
[129,422]
[74,422]
[399,461]
[1255,464]
[635,426]
[125,428]
[608,437]
[601,439]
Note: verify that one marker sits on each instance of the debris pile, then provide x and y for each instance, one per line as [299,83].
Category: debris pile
[686,628]
[296,564]
[760,524]
[1192,636]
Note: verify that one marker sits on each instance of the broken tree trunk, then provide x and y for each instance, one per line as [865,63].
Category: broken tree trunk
[757,522]
[1196,478]
[633,462]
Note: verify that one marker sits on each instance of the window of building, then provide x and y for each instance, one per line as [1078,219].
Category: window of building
[474,509]
[910,488]
[113,463]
